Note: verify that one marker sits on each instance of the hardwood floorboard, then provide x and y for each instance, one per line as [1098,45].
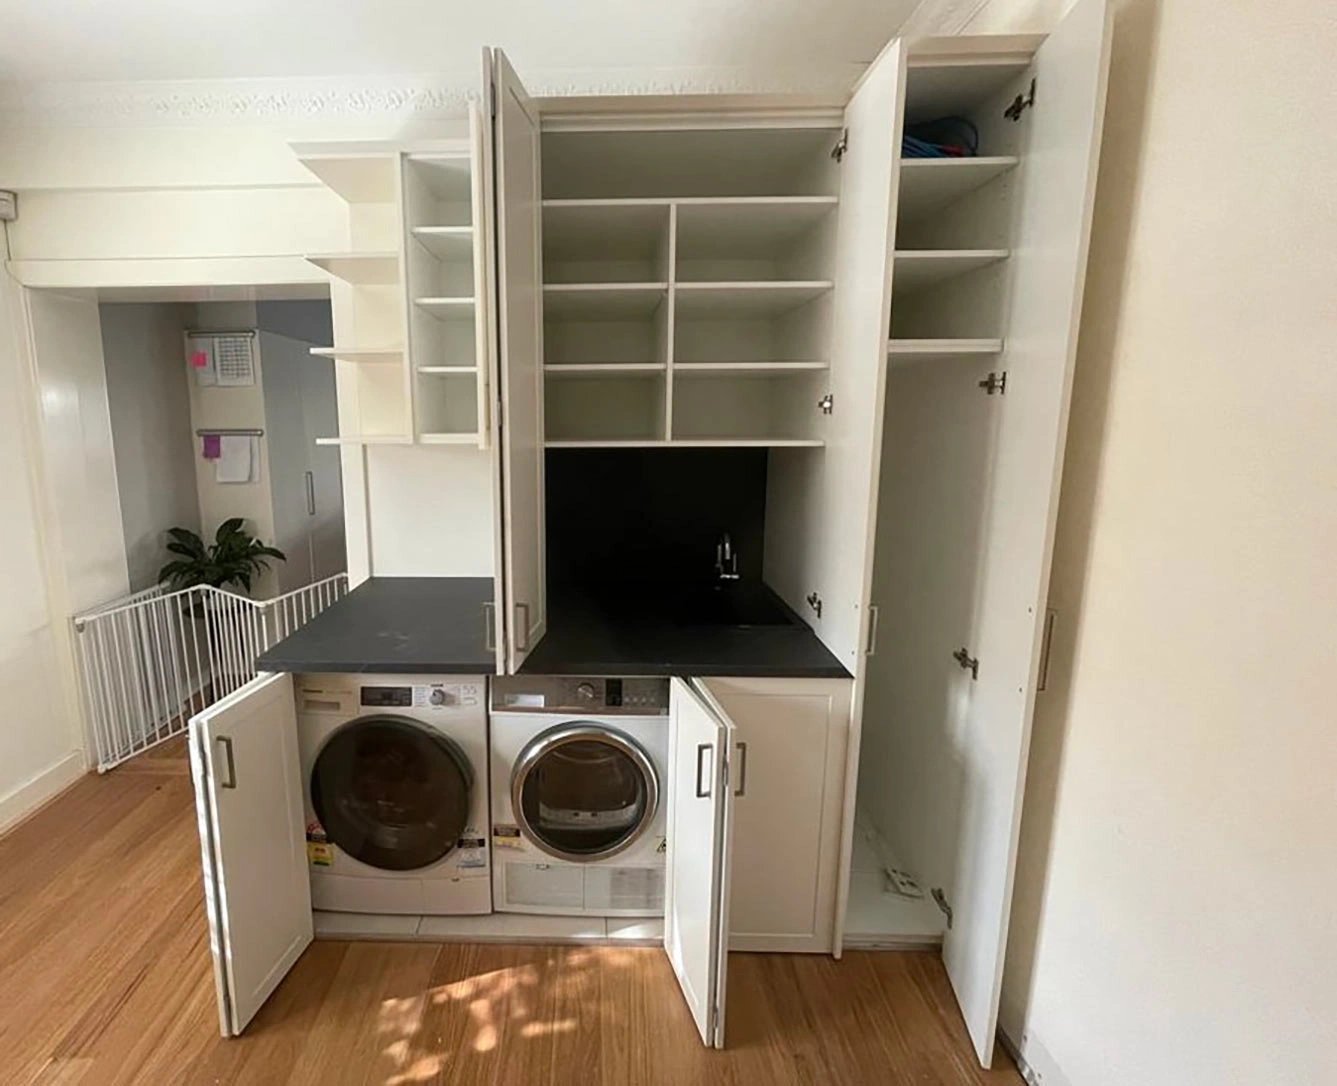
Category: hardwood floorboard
[105,980]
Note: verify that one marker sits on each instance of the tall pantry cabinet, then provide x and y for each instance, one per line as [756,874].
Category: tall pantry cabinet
[899,336]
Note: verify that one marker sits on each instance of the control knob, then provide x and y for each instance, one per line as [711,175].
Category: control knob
[586,693]
[438,697]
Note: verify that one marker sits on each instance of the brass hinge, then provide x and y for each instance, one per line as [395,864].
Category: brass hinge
[827,404]
[995,382]
[815,602]
[967,662]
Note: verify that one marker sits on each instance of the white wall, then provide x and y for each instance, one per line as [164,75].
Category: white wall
[1174,916]
[40,743]
[150,427]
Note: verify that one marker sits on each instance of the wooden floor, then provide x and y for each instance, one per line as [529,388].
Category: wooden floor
[105,979]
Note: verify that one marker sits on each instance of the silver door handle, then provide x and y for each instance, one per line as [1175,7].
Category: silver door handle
[226,743]
[742,769]
[874,613]
[701,749]
[489,619]
[522,625]
[1046,646]
[310,494]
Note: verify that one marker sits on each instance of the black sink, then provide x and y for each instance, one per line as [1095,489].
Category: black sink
[738,604]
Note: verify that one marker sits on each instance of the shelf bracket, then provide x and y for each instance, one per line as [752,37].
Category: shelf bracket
[995,382]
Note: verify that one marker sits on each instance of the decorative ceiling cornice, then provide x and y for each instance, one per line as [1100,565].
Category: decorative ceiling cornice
[380,99]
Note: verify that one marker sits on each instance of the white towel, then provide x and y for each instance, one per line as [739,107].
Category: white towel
[238,459]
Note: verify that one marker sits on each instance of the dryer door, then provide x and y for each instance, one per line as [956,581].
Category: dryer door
[582,791]
[392,792]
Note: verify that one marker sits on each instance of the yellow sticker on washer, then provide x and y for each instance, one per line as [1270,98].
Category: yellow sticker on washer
[504,836]
[319,853]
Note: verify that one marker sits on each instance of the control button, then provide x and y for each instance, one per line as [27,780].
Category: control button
[439,697]
[586,692]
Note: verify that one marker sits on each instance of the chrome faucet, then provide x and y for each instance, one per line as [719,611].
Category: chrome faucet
[726,560]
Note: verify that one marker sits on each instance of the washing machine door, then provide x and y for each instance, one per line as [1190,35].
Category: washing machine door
[391,792]
[583,791]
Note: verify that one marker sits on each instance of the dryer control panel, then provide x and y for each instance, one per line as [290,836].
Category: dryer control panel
[630,696]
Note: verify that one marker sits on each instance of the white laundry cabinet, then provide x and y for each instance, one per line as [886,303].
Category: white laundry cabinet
[899,334]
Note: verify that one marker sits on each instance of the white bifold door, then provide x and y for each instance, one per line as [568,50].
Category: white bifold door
[518,223]
[248,799]
[699,827]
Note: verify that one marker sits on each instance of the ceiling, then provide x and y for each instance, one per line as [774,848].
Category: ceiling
[50,41]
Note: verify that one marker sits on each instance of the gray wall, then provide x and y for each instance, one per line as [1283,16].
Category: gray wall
[150,424]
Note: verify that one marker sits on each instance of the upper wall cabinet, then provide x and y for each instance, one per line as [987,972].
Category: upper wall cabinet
[411,321]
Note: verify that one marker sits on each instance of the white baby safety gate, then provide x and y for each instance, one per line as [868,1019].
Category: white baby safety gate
[148,662]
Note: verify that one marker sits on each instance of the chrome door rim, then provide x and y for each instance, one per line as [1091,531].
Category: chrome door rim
[545,743]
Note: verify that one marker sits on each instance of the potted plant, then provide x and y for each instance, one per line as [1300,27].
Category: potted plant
[234,557]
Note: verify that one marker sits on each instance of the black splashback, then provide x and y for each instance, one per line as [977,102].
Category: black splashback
[652,516]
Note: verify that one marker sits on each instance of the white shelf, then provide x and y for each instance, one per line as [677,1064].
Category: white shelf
[907,351]
[446,370]
[362,269]
[366,439]
[602,300]
[915,268]
[447,175]
[747,442]
[371,355]
[446,308]
[449,439]
[606,443]
[928,184]
[746,298]
[600,369]
[366,178]
[760,369]
[734,226]
[446,242]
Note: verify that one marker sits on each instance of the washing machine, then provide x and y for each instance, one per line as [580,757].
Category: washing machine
[579,780]
[394,770]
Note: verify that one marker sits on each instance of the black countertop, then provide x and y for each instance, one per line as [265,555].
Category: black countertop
[636,634]
[399,625]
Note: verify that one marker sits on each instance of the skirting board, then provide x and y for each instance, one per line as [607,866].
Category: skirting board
[1035,1064]
[493,928]
[30,795]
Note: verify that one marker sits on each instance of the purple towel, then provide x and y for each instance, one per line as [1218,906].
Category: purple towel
[212,446]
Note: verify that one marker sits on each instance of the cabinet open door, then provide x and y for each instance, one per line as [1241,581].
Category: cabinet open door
[1056,189]
[699,828]
[248,800]
[519,297]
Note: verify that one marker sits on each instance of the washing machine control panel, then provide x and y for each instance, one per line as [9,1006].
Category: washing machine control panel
[632,696]
[422,696]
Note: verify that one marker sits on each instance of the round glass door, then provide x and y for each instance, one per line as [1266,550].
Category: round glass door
[391,793]
[583,792]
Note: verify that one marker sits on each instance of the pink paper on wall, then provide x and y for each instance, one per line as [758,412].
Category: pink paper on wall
[212,446]
[199,359]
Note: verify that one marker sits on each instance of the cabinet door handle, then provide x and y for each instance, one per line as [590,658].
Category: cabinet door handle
[310,494]
[742,769]
[489,620]
[226,743]
[702,792]
[874,613]
[1046,646]
[522,626]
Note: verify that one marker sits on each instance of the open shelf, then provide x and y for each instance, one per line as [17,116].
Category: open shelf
[916,268]
[690,162]
[445,371]
[446,308]
[908,351]
[755,408]
[754,239]
[958,89]
[439,190]
[362,269]
[928,184]
[605,242]
[579,369]
[726,369]
[360,178]
[606,301]
[448,439]
[366,439]
[746,298]
[455,243]
[369,355]
[597,407]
